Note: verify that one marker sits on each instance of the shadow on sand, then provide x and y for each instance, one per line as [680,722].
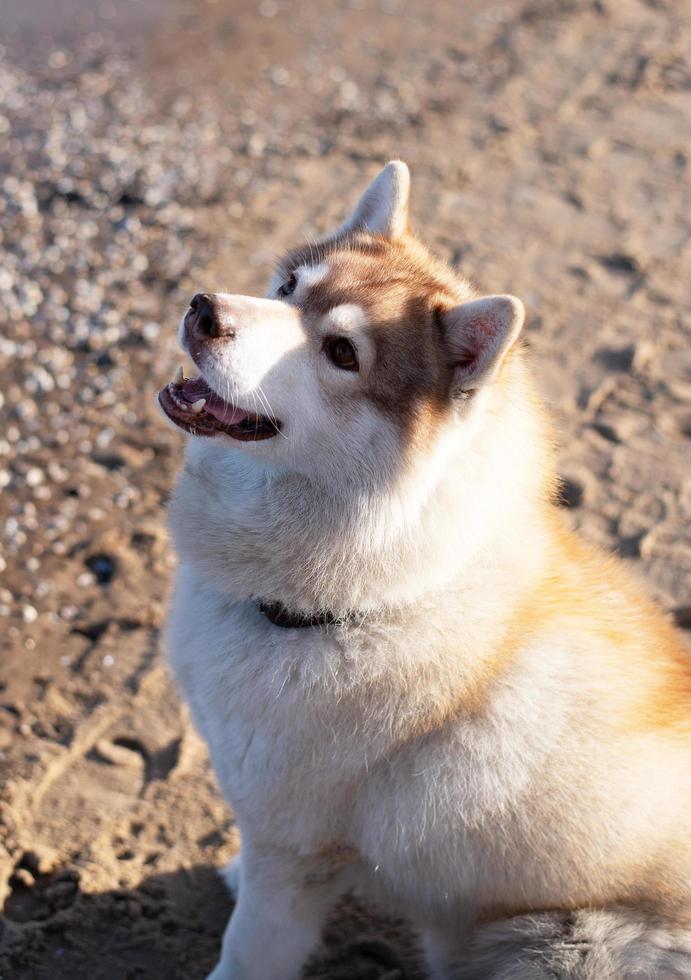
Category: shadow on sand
[169,928]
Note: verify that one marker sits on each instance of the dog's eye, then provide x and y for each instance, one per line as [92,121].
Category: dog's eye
[341,352]
[288,287]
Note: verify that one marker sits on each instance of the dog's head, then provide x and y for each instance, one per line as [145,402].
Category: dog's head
[364,347]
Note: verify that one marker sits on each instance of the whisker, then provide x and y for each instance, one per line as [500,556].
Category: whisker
[271,416]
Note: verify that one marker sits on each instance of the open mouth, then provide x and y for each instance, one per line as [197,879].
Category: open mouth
[193,406]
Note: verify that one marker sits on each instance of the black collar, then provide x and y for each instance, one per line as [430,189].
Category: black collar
[279,615]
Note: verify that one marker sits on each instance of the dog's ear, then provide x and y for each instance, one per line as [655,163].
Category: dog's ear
[479,334]
[383,208]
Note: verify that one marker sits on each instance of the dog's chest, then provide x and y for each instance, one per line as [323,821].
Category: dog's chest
[308,754]
[258,695]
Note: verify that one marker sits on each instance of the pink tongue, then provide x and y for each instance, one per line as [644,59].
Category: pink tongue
[195,388]
[223,411]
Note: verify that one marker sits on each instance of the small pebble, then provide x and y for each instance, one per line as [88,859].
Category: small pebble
[34,476]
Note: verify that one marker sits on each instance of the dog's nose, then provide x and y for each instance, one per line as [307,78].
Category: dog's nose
[209,317]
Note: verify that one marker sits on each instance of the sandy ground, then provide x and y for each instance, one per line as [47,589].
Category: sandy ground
[149,150]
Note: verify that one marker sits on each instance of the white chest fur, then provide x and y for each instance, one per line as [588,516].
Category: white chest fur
[267,701]
[310,735]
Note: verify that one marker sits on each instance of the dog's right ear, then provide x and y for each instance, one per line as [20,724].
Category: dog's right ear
[479,335]
[383,208]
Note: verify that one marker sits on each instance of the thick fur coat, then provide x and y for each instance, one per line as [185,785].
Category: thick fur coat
[494,735]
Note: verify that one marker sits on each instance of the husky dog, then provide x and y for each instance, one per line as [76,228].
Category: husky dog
[414,679]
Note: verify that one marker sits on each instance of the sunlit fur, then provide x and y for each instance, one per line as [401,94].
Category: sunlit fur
[497,739]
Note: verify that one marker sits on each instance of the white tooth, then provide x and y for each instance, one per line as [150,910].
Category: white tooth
[198,405]
[179,376]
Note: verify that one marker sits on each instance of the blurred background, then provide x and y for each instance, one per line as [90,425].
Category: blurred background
[150,149]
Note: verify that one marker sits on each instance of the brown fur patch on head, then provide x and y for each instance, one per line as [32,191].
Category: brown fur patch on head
[401,288]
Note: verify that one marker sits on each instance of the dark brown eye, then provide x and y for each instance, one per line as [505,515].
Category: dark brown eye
[288,287]
[341,352]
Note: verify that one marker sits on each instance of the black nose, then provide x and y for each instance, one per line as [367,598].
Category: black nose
[208,317]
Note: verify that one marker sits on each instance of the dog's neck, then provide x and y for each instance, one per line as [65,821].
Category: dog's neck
[457,520]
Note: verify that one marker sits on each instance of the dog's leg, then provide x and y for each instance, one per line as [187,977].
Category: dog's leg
[277,922]
[231,876]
